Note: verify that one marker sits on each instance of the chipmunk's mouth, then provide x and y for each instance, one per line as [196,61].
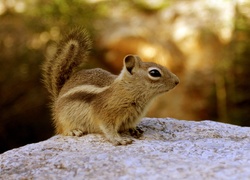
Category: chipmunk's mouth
[164,91]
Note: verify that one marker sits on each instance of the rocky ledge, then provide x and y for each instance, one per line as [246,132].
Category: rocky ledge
[169,149]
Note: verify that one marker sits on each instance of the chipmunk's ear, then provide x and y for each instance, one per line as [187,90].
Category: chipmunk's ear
[131,62]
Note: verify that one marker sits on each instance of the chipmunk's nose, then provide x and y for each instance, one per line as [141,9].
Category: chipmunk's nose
[177,81]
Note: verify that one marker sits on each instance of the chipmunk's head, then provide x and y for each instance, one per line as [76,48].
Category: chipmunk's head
[148,75]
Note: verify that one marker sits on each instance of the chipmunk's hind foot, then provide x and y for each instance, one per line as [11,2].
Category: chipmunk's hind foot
[76,132]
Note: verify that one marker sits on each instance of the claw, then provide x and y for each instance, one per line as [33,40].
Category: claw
[122,141]
[76,132]
[136,132]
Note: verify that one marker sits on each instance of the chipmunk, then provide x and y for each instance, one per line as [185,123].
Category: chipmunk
[96,101]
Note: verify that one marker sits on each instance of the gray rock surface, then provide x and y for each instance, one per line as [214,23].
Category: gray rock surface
[169,149]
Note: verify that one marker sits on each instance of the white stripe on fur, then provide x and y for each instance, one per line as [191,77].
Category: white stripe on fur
[86,89]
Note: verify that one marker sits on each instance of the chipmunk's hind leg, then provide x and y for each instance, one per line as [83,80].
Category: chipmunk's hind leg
[113,136]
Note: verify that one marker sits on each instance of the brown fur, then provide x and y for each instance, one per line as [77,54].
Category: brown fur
[96,101]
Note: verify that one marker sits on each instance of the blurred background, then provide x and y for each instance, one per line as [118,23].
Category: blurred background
[205,42]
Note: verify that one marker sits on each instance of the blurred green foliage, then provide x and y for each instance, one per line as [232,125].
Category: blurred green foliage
[232,72]
[238,72]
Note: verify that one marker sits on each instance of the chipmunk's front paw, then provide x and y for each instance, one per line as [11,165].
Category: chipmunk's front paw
[121,141]
[136,132]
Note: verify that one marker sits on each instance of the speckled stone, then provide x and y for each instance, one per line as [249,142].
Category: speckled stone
[169,149]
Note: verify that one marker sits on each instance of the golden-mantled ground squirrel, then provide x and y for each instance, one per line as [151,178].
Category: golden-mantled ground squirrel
[96,101]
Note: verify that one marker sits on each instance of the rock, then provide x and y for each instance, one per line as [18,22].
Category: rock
[169,149]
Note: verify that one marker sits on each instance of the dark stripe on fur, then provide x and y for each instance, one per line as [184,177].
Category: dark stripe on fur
[81,96]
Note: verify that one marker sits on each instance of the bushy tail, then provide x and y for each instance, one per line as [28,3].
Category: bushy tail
[71,52]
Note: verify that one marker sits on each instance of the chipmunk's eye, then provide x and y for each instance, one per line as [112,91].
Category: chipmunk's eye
[154,73]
